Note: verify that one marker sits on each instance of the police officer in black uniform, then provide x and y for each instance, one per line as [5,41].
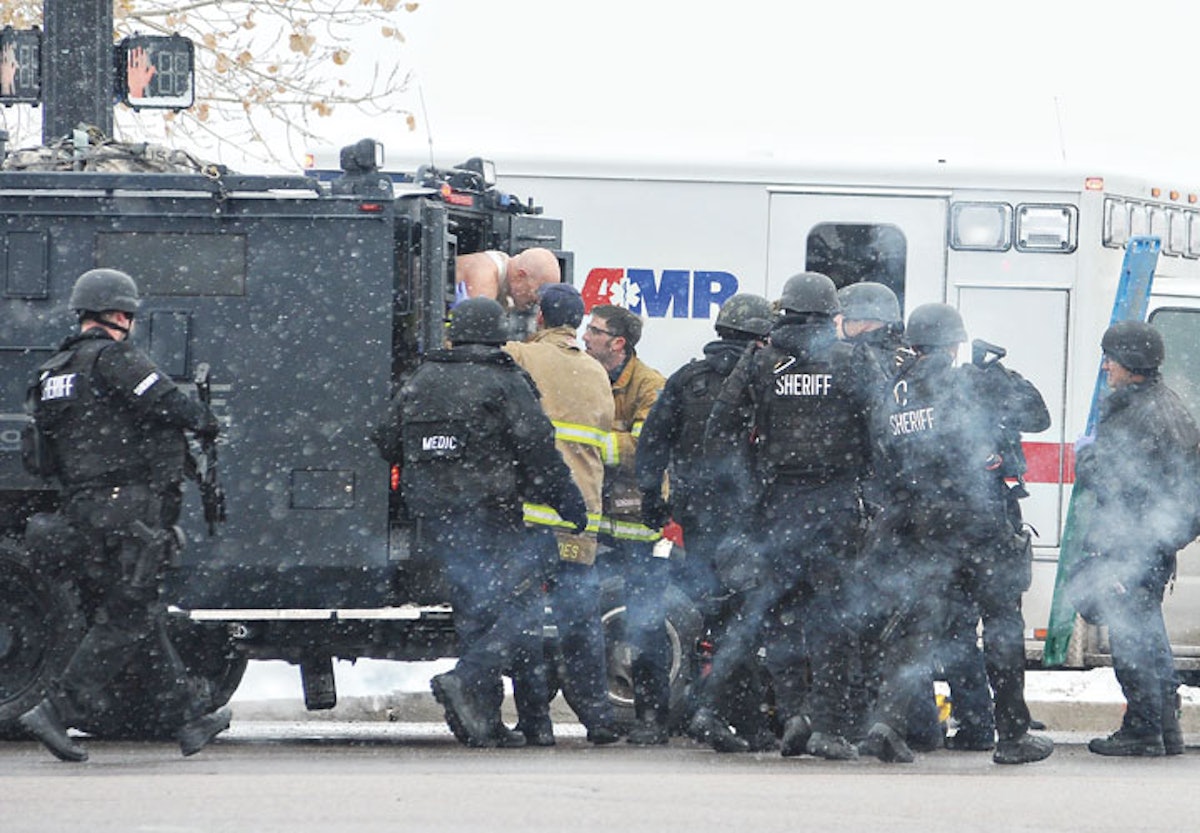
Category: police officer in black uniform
[113,424]
[1142,468]
[473,444]
[871,323]
[946,528]
[810,406]
[712,498]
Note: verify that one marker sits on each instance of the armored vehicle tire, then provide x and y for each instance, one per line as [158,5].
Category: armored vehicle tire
[684,629]
[133,709]
[40,625]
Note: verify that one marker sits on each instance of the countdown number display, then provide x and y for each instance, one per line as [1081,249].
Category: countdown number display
[156,71]
[20,65]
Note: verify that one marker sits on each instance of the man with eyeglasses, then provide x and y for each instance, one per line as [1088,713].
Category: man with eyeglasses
[611,338]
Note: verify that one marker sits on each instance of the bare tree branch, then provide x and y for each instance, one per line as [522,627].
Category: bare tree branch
[265,67]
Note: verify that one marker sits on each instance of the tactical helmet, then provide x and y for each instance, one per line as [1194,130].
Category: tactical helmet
[746,313]
[809,292]
[935,325]
[477,321]
[99,290]
[869,301]
[1135,345]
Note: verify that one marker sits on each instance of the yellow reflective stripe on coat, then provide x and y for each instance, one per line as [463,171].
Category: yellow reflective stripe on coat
[630,530]
[539,514]
[572,432]
[636,429]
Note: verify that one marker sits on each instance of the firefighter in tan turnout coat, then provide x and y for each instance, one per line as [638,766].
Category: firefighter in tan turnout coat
[576,395]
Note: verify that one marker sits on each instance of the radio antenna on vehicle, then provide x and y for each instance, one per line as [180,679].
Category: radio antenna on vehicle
[425,116]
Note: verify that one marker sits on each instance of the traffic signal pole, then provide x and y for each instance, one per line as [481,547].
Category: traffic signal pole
[77,66]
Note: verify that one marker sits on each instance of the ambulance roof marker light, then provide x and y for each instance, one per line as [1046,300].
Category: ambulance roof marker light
[1174,195]
[1094,183]
[1192,199]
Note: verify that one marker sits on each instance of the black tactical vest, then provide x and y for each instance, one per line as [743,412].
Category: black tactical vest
[935,433]
[699,385]
[810,419]
[96,437]
[457,450]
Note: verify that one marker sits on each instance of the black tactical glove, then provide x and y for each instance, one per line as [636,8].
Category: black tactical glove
[575,513]
[655,512]
[209,428]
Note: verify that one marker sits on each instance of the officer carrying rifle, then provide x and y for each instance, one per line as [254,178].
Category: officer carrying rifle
[947,531]
[109,426]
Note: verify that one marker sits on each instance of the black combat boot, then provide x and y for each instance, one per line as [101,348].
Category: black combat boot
[706,726]
[1026,749]
[602,735]
[538,732]
[1172,732]
[464,716]
[1125,744]
[507,738]
[763,740]
[886,744]
[197,734]
[796,732]
[831,747]
[650,730]
[45,723]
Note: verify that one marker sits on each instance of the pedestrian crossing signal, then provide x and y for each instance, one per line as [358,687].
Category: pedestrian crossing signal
[156,71]
[20,66]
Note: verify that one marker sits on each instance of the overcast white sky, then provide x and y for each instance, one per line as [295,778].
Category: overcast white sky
[1099,82]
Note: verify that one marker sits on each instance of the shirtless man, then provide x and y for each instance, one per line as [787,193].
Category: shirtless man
[513,281]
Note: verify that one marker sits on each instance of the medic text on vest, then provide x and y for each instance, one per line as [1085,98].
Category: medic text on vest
[802,384]
[910,422]
[685,293]
[439,442]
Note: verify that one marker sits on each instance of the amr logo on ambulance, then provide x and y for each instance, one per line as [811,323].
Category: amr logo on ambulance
[682,293]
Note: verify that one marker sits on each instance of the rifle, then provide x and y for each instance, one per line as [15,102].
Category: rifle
[985,354]
[1011,463]
[211,493]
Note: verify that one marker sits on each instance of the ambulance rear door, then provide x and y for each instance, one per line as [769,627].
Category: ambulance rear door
[896,237]
[1175,311]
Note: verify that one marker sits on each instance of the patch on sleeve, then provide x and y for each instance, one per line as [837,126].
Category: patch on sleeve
[146,384]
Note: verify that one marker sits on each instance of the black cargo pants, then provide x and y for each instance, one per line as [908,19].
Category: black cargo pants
[121,587]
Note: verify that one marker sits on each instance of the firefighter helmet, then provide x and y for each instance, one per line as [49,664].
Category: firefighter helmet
[1135,345]
[100,290]
[935,325]
[477,321]
[746,313]
[809,292]
[869,301]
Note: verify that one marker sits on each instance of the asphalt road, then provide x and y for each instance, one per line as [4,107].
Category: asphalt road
[374,776]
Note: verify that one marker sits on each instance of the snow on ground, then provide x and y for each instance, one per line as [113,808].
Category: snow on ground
[274,679]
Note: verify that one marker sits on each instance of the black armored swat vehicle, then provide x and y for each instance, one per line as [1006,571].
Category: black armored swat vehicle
[305,301]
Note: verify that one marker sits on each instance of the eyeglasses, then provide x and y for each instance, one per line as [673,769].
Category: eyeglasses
[591,328]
